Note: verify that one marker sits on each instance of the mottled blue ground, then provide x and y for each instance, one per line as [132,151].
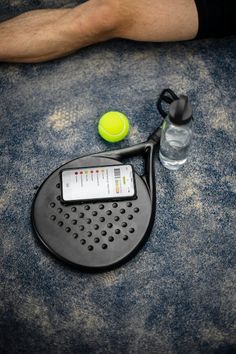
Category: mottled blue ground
[178,294]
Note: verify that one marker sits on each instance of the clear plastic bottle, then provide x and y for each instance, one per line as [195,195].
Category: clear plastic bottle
[176,135]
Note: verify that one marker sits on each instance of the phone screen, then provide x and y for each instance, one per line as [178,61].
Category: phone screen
[97,183]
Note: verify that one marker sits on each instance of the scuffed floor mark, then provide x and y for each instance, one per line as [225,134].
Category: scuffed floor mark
[33,311]
[188,194]
[8,192]
[65,127]
[88,319]
[110,279]
[61,119]
[220,120]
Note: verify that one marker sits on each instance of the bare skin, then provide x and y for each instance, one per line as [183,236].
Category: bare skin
[42,35]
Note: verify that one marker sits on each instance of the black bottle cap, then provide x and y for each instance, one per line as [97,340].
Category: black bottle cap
[180,111]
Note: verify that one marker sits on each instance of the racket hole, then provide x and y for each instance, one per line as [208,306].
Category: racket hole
[115,205]
[109,225]
[53,217]
[111,238]
[68,229]
[90,248]
[101,206]
[97,240]
[125,238]
[122,211]
[94,213]
[131,230]
[89,233]
[73,209]
[130,217]
[88,221]
[75,235]
[117,231]
[102,219]
[136,210]
[81,215]
[116,218]
[52,205]
[59,210]
[87,207]
[66,216]
[108,212]
[129,204]
[73,222]
[103,233]
[60,223]
[104,246]
[96,227]
[58,185]
[81,227]
[82,241]
[124,224]
[58,197]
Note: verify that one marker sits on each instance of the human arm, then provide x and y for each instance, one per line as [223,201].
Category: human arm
[42,35]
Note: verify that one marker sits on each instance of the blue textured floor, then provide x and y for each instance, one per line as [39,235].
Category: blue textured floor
[178,294]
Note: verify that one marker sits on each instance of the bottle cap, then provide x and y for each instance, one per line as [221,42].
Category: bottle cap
[180,111]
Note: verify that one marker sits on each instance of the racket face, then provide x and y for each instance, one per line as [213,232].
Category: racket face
[94,235]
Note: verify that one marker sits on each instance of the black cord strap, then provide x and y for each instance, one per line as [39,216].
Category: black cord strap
[168,96]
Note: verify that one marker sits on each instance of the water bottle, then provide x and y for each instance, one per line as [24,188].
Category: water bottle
[176,135]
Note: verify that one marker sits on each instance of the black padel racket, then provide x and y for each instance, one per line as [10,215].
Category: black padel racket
[97,235]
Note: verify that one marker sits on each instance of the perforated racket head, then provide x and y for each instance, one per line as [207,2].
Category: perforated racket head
[95,236]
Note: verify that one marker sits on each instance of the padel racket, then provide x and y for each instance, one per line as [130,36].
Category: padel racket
[99,231]
[98,234]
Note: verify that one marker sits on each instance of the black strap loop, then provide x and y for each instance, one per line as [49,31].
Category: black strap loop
[168,96]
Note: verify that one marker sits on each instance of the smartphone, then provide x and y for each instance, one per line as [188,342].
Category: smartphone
[103,183]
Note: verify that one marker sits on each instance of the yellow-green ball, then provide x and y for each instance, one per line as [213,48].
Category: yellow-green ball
[113,126]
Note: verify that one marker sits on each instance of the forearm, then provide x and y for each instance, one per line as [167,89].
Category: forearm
[42,35]
[28,37]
